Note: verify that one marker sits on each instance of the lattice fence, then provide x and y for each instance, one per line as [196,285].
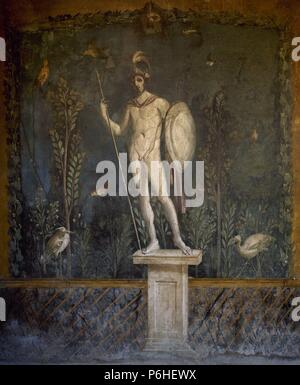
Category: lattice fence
[245,320]
[73,323]
[88,324]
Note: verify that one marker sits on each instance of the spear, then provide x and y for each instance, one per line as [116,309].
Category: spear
[120,166]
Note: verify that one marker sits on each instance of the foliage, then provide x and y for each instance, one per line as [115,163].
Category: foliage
[85,256]
[44,218]
[15,203]
[199,228]
[228,231]
[218,124]
[284,158]
[66,147]
[115,248]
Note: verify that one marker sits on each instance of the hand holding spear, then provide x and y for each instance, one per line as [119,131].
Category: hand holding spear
[106,114]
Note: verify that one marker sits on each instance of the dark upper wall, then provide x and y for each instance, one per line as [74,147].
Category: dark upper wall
[26,12]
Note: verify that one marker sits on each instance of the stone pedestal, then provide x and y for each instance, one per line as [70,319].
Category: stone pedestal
[167,298]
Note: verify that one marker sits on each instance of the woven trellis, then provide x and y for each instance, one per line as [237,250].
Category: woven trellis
[89,323]
[253,320]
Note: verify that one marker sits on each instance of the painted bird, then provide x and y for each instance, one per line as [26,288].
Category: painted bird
[96,52]
[57,243]
[254,136]
[100,53]
[209,60]
[43,74]
[253,245]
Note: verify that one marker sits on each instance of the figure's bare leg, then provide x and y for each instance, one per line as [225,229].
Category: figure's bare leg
[171,215]
[148,216]
[159,186]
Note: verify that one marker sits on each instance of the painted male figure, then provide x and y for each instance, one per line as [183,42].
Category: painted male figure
[144,116]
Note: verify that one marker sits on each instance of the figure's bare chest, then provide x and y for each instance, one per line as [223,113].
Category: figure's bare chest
[147,116]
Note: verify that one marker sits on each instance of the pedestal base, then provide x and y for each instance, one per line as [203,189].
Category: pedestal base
[167,345]
[167,298]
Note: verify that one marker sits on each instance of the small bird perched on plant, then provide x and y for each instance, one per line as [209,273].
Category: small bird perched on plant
[43,74]
[57,243]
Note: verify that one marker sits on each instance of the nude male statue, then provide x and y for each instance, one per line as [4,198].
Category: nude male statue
[144,116]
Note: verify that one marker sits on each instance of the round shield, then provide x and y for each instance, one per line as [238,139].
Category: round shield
[180,133]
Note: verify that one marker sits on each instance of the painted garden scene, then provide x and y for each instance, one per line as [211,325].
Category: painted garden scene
[232,80]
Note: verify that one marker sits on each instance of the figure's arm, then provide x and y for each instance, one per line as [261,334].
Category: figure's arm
[163,107]
[118,129]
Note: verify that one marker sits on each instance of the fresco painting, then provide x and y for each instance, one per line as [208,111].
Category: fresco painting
[230,77]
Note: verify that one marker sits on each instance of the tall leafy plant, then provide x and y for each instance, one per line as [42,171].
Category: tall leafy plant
[199,228]
[66,147]
[217,161]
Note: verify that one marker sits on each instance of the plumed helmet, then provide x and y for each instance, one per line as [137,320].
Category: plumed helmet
[141,65]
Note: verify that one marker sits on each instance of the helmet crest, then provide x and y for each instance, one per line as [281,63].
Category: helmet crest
[141,65]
